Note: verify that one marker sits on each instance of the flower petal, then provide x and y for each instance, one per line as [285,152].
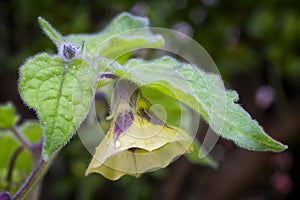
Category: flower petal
[142,147]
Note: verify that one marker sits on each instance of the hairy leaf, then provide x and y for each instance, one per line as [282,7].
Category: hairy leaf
[125,33]
[60,93]
[55,36]
[204,93]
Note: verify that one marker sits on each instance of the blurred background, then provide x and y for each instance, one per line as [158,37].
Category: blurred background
[255,45]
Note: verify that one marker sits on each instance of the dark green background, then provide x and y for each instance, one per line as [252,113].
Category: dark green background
[253,43]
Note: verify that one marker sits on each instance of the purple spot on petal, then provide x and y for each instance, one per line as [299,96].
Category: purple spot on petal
[123,122]
[100,96]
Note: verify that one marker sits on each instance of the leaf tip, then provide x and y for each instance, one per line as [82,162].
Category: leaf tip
[281,147]
[43,23]
[41,19]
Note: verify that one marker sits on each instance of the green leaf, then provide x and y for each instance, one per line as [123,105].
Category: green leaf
[125,33]
[60,93]
[197,157]
[8,117]
[125,42]
[32,130]
[55,36]
[204,93]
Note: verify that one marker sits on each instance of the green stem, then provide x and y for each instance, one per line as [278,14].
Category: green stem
[36,175]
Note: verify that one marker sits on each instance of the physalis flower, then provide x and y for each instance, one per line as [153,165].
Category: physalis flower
[137,142]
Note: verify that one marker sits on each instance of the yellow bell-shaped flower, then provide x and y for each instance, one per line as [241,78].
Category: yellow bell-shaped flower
[137,143]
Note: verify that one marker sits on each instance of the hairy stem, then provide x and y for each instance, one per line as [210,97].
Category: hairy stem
[36,175]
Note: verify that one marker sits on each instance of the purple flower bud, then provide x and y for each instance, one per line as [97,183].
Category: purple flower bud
[68,51]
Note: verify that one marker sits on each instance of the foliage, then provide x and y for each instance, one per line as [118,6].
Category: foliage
[111,53]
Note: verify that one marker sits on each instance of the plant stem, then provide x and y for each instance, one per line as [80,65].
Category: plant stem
[27,144]
[35,176]
[11,166]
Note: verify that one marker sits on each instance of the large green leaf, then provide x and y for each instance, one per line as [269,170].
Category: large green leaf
[204,93]
[125,33]
[60,93]
[8,116]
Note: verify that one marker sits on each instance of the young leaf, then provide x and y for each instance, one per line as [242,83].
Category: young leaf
[204,93]
[60,93]
[55,36]
[8,116]
[125,33]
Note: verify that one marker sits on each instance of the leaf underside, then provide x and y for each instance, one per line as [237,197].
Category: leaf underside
[205,93]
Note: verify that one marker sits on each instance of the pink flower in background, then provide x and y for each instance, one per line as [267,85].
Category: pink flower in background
[282,182]
[264,96]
